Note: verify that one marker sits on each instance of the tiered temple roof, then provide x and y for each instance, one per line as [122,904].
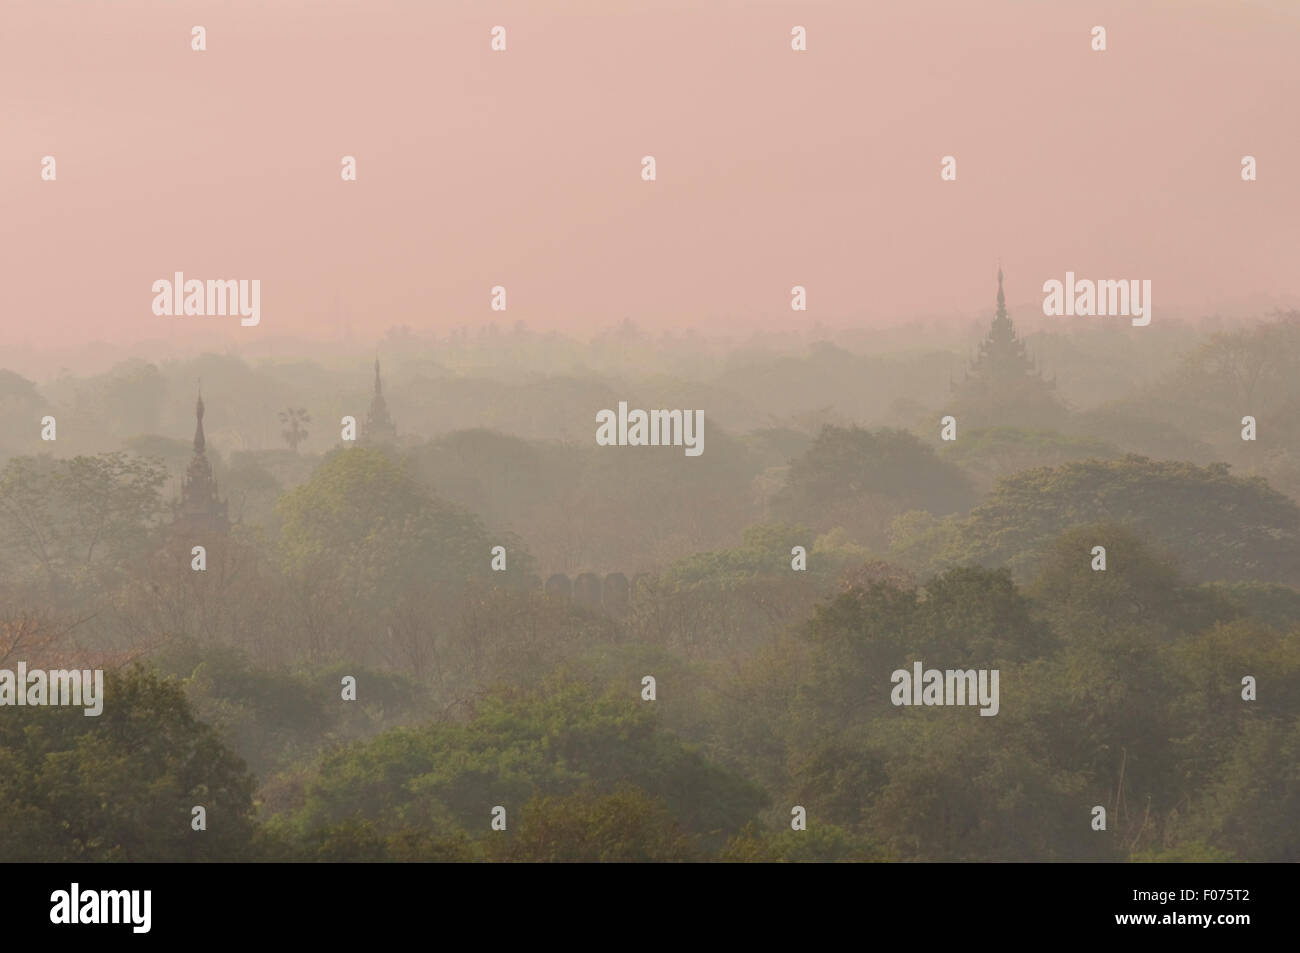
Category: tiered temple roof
[1003,386]
[379,424]
[200,511]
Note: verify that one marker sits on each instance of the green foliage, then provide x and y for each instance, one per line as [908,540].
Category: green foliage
[61,517]
[861,479]
[1137,587]
[362,515]
[1189,852]
[554,741]
[764,552]
[360,498]
[1275,605]
[925,784]
[1121,688]
[1218,526]
[922,541]
[365,549]
[120,786]
[969,613]
[1250,805]
[267,716]
[274,718]
[990,454]
[819,844]
[1211,667]
[624,826]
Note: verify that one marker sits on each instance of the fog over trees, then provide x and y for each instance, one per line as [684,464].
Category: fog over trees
[494,589]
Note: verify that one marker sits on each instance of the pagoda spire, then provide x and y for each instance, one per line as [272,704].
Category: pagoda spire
[200,511]
[199,442]
[1003,385]
[1002,301]
[379,427]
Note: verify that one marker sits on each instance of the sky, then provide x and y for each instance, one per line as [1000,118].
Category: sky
[522,168]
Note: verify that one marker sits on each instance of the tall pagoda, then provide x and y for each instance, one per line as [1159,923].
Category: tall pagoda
[1003,386]
[379,428]
[200,512]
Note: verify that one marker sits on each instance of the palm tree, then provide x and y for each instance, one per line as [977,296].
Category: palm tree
[293,419]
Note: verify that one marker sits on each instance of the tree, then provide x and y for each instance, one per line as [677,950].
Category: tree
[557,739]
[30,636]
[967,617]
[19,400]
[936,784]
[862,479]
[126,400]
[60,516]
[987,455]
[1250,805]
[379,567]
[293,419]
[1246,368]
[1218,526]
[1210,667]
[250,486]
[822,843]
[625,826]
[1247,371]
[1140,586]
[120,786]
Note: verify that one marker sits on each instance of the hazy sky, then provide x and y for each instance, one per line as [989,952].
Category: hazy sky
[522,168]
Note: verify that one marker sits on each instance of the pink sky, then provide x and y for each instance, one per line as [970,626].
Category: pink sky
[522,168]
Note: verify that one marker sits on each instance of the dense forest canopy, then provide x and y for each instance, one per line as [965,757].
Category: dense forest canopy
[638,655]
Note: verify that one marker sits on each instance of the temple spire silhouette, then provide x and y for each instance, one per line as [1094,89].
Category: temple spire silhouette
[1003,386]
[379,427]
[1002,299]
[200,510]
[200,444]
